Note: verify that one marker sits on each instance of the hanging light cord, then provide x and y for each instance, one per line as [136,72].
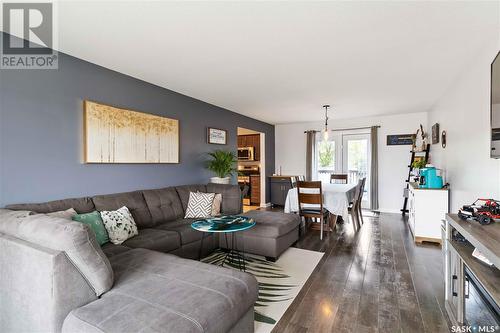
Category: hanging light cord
[326,116]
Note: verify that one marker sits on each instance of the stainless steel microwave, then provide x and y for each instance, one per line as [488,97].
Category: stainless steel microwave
[245,154]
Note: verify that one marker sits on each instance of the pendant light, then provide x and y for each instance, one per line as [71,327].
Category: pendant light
[325,132]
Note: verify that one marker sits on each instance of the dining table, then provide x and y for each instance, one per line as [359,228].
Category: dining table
[336,198]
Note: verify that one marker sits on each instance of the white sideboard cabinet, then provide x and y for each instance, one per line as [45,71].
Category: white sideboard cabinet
[427,208]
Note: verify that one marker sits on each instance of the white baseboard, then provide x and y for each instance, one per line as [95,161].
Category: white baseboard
[389,210]
[265,205]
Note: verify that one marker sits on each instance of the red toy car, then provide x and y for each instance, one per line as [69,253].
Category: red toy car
[485,211]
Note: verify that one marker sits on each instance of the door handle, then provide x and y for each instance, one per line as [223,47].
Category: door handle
[466,288]
[453,279]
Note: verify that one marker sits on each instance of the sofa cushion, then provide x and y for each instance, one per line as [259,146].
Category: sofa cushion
[111,249]
[231,197]
[157,292]
[74,238]
[271,224]
[164,204]
[154,239]
[184,191]
[81,205]
[134,201]
[183,228]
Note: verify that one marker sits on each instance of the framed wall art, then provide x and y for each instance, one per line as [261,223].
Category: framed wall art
[435,133]
[116,135]
[400,139]
[216,136]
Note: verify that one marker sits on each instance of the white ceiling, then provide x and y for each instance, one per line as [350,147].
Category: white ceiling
[281,61]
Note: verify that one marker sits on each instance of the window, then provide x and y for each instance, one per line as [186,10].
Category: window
[326,159]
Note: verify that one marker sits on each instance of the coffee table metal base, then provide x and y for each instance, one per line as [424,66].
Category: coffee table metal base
[233,256]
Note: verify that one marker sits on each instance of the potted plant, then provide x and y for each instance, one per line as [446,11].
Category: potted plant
[222,163]
[419,164]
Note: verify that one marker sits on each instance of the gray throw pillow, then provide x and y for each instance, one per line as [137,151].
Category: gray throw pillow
[216,206]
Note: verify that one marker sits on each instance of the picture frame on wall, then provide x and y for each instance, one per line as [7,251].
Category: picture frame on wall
[435,133]
[400,139]
[216,136]
[115,135]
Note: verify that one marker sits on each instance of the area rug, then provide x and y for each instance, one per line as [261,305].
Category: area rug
[279,282]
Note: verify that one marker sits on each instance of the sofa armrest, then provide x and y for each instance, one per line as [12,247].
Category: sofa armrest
[38,287]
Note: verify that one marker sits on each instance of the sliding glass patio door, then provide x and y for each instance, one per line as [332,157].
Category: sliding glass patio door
[346,152]
[356,161]
[328,158]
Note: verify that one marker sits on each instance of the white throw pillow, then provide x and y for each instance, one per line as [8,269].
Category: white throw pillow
[119,224]
[65,214]
[199,205]
[217,204]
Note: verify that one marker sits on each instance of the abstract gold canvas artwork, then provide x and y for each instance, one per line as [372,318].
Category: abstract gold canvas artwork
[114,135]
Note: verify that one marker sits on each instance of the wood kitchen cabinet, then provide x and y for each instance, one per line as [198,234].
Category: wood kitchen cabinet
[255,190]
[251,140]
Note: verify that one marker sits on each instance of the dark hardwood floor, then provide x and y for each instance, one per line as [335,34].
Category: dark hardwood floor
[375,280]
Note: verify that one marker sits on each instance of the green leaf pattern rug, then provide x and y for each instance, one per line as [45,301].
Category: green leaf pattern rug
[279,282]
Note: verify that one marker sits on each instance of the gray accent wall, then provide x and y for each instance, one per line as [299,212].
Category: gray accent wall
[41,133]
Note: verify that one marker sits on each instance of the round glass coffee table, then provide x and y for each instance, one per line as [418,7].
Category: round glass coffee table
[227,225]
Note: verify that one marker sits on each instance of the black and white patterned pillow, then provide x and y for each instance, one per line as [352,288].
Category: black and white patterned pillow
[199,205]
[119,224]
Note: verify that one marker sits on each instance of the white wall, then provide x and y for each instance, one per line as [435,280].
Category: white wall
[290,151]
[464,112]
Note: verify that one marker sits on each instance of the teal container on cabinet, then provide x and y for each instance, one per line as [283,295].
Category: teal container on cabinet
[429,178]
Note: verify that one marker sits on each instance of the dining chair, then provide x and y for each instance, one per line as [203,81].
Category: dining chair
[338,178]
[361,192]
[295,179]
[355,206]
[311,202]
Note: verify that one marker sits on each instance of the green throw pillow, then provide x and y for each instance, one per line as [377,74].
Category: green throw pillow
[94,221]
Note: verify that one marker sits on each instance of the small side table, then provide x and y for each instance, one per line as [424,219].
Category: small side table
[229,224]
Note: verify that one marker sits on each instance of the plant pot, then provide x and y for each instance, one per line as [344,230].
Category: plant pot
[218,180]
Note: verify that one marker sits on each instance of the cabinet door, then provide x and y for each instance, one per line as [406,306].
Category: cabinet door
[256,145]
[240,141]
[454,284]
[275,192]
[286,187]
[255,189]
[411,211]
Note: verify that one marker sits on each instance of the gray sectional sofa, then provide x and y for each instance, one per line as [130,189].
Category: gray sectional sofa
[56,278]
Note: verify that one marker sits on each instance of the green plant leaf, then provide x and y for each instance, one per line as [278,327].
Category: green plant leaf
[222,163]
[263,319]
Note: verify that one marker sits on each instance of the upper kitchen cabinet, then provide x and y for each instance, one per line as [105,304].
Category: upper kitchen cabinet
[250,140]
